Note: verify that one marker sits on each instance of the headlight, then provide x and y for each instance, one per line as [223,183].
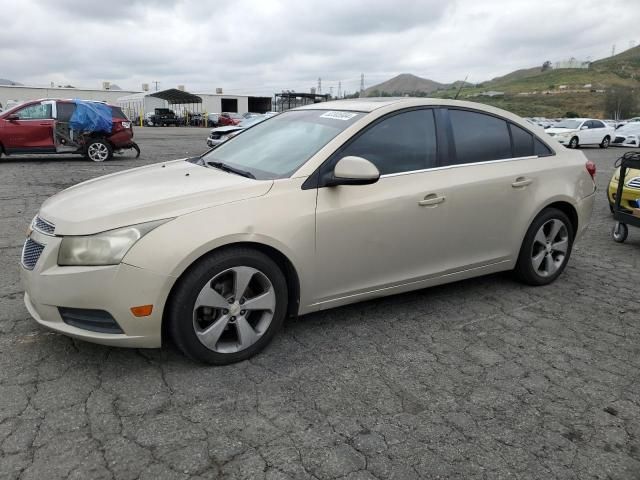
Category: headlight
[106,248]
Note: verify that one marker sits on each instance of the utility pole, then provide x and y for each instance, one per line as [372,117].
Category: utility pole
[613,50]
[361,84]
[156,82]
[319,85]
[339,89]
[331,92]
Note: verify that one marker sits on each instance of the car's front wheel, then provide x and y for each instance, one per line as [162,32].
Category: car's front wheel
[228,306]
[605,142]
[574,142]
[546,248]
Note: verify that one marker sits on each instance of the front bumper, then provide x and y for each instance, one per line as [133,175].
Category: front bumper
[114,289]
[630,196]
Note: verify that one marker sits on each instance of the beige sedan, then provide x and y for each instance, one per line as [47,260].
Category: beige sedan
[321,206]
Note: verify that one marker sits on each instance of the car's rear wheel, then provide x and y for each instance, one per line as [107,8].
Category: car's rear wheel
[546,248]
[228,306]
[573,143]
[605,142]
[98,150]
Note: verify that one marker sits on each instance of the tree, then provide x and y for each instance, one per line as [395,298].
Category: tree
[621,102]
[571,115]
[546,66]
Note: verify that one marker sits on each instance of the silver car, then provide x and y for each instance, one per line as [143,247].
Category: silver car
[321,206]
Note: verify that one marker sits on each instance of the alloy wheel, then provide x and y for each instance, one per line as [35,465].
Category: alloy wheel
[98,152]
[550,247]
[234,309]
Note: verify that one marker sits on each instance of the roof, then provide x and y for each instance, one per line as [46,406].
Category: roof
[171,95]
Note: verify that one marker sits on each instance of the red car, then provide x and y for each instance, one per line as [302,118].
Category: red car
[229,119]
[43,127]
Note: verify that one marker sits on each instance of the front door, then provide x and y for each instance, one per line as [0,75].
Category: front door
[380,235]
[32,132]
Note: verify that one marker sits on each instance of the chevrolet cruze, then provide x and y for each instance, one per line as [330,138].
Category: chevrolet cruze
[321,206]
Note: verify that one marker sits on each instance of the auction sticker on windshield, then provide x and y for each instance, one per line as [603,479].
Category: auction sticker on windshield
[337,115]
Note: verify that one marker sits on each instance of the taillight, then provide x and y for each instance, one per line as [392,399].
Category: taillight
[591,168]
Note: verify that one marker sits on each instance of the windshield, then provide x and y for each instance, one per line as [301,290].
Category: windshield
[277,147]
[568,124]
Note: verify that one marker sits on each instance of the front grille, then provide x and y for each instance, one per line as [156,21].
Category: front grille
[43,226]
[31,253]
[619,140]
[634,183]
[92,320]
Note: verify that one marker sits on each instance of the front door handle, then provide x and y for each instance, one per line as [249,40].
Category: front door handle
[521,182]
[431,200]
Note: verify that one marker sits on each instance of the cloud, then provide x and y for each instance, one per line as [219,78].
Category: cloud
[265,46]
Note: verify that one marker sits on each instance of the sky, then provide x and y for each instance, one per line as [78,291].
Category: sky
[264,46]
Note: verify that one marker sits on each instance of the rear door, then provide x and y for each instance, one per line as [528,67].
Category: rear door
[490,188]
[600,130]
[33,131]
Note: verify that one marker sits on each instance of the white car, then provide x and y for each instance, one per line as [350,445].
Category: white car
[321,206]
[627,136]
[577,132]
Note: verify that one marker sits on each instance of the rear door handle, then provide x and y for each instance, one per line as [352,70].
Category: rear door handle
[521,182]
[431,200]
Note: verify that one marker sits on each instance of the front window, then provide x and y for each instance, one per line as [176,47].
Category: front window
[277,147]
[571,124]
[39,111]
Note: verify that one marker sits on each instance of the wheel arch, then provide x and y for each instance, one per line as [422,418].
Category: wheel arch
[569,210]
[283,262]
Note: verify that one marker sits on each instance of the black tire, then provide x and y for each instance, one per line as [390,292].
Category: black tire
[606,141]
[525,271]
[98,150]
[180,310]
[620,232]
[573,143]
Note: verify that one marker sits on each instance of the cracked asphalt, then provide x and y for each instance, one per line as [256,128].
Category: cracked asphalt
[484,378]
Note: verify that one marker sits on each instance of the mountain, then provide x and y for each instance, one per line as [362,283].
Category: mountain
[4,81]
[404,83]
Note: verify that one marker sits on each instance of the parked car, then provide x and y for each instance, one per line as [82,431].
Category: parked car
[46,127]
[226,119]
[577,132]
[324,205]
[630,192]
[161,117]
[221,134]
[627,135]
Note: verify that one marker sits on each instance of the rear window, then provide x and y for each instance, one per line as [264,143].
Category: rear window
[479,137]
[117,112]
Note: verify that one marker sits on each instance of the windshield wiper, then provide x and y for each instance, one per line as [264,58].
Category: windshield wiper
[229,168]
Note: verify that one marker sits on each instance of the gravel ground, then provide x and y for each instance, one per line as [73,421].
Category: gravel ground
[484,378]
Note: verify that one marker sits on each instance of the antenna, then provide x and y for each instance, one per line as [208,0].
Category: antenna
[464,82]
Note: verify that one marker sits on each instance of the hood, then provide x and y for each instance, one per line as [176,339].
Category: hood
[154,192]
[229,128]
[560,130]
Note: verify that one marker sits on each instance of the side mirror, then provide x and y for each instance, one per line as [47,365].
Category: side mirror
[584,127]
[13,117]
[354,171]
